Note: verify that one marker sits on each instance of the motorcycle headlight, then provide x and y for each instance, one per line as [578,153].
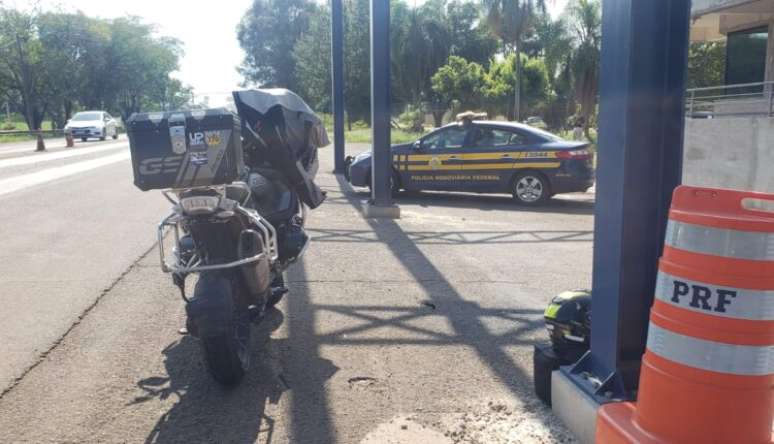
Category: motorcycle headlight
[199,204]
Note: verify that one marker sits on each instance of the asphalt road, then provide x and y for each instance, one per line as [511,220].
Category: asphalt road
[412,323]
[73,223]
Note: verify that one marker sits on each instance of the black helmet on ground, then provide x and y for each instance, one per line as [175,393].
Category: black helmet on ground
[568,319]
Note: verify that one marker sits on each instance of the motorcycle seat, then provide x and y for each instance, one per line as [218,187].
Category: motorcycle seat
[237,193]
[271,196]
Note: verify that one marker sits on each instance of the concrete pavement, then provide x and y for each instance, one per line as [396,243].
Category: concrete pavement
[414,330]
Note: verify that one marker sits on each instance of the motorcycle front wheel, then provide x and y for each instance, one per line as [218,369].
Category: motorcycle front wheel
[223,328]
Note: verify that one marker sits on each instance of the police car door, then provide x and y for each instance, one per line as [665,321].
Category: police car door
[436,162]
[490,157]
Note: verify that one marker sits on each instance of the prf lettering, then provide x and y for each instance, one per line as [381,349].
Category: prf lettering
[701,297]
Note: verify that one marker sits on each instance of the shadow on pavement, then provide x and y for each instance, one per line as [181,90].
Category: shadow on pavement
[406,319]
[310,414]
[457,237]
[207,412]
[464,317]
[573,203]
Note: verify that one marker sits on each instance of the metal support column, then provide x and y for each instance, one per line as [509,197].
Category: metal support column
[381,161]
[642,87]
[337,75]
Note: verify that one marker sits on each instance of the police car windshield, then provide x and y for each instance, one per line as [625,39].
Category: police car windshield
[80,117]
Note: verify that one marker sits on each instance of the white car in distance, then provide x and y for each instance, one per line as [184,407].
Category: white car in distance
[97,124]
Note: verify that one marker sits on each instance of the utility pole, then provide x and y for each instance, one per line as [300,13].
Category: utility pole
[381,204]
[337,70]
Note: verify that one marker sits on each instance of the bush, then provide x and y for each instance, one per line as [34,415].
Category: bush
[411,119]
[8,126]
[360,125]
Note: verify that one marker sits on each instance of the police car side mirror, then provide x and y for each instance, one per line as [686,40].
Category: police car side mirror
[417,145]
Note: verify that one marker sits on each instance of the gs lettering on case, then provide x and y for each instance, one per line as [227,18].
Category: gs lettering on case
[160,165]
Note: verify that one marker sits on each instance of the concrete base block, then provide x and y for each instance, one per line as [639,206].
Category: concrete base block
[576,409]
[380,211]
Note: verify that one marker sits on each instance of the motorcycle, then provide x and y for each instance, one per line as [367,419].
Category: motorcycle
[239,208]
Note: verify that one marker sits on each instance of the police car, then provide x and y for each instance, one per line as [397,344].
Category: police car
[486,157]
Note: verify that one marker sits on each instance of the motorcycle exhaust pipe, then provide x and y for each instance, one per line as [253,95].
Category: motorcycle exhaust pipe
[257,275]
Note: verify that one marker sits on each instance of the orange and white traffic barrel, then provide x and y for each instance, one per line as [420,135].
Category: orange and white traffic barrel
[708,368]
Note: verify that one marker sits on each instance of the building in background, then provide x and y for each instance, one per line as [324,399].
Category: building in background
[729,127]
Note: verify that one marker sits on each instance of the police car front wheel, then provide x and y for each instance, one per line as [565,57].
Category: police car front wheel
[394,183]
[530,189]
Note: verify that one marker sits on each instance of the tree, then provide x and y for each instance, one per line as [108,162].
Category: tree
[706,64]
[554,44]
[357,60]
[312,55]
[21,59]
[67,42]
[139,65]
[97,88]
[268,33]
[422,50]
[459,80]
[500,80]
[469,37]
[175,95]
[510,20]
[53,64]
[421,40]
[584,24]
[536,84]
[423,37]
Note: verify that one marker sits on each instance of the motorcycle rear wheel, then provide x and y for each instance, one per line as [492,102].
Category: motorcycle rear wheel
[227,356]
[225,347]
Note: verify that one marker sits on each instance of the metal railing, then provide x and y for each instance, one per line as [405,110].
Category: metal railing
[33,133]
[747,99]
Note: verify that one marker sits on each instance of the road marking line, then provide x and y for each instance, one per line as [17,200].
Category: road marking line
[35,158]
[27,149]
[56,144]
[28,180]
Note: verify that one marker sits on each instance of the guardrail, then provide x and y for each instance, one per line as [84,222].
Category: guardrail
[56,132]
[39,135]
[746,99]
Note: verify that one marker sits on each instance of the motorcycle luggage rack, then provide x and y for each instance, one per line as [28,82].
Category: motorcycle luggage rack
[266,228]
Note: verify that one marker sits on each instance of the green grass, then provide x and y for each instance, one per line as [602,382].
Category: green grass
[20,126]
[396,136]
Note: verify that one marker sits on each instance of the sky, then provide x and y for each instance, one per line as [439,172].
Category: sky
[207,30]
[555,7]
